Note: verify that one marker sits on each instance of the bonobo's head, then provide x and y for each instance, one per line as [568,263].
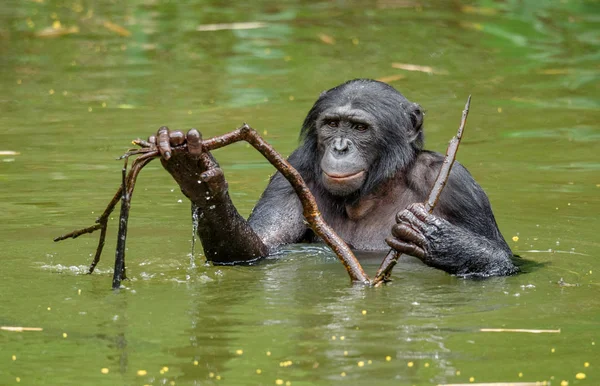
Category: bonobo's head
[362,132]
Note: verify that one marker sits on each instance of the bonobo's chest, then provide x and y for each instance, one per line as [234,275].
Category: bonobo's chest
[366,224]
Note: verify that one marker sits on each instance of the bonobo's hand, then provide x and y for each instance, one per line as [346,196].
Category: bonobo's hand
[430,238]
[194,169]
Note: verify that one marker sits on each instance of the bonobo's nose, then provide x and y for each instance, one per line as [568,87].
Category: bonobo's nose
[341,145]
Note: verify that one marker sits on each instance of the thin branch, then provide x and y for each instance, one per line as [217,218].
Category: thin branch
[390,260]
[245,133]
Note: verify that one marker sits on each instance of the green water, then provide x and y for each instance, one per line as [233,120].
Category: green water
[70,104]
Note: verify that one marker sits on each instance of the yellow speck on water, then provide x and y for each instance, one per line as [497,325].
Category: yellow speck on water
[564,383]
[361,364]
[19,81]
[343,374]
[49,308]
[104,370]
[189,112]
[355,41]
[499,109]
[457,372]
[79,292]
[279,381]
[265,132]
[287,58]
[369,362]
[51,92]
[520,375]
[553,350]
[89,109]
[472,379]
[218,377]
[239,352]
[426,364]
[211,375]
[580,376]
[103,104]
[64,335]
[345,353]
[388,358]
[333,337]
[342,337]
[258,371]
[195,363]
[268,353]
[142,372]
[18,379]
[364,312]
[288,383]
[410,364]
[285,363]
[291,97]
[14,358]
[586,364]
[56,24]
[165,369]
[515,238]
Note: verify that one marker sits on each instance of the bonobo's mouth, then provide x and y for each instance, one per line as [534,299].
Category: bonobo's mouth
[345,178]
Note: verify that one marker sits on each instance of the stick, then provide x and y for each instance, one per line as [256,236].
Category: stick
[244,133]
[20,329]
[390,260]
[519,330]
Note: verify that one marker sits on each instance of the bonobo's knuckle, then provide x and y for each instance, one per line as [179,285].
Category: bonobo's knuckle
[152,139]
[401,216]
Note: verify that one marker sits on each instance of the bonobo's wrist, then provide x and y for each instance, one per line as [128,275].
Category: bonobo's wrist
[203,198]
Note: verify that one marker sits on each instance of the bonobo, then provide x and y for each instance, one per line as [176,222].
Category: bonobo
[362,156]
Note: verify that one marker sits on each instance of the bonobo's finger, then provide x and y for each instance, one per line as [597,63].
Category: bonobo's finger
[406,233]
[402,247]
[212,174]
[152,139]
[194,142]
[207,161]
[176,138]
[419,210]
[408,217]
[162,137]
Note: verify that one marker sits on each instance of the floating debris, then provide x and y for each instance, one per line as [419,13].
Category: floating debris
[327,39]
[20,329]
[231,26]
[9,152]
[519,330]
[391,78]
[418,68]
[116,28]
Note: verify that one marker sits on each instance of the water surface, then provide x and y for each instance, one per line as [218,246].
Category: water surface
[70,104]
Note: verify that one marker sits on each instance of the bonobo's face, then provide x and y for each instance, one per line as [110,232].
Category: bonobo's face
[345,138]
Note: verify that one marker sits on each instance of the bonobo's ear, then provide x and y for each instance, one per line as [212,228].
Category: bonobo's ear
[416,117]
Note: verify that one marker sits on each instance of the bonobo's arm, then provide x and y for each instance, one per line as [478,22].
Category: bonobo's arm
[462,236]
[227,238]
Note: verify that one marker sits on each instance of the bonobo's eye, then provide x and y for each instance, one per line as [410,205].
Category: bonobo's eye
[332,123]
[361,127]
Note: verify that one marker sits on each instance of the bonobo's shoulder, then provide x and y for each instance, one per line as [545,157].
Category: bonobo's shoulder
[427,166]
[429,162]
